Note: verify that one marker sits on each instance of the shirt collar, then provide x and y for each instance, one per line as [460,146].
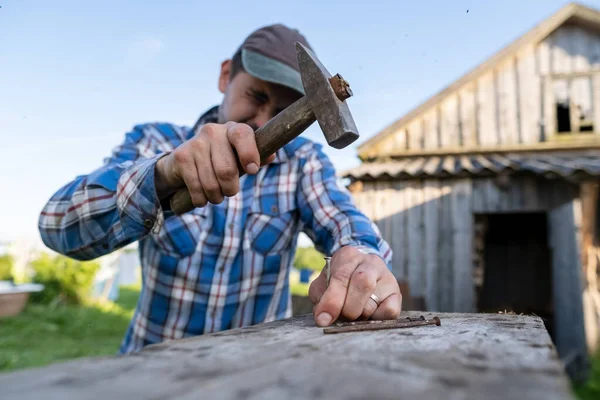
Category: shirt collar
[212,115]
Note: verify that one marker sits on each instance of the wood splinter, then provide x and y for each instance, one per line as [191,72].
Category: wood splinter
[357,326]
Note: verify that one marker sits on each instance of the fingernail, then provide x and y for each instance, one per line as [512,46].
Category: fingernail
[323,319]
[252,168]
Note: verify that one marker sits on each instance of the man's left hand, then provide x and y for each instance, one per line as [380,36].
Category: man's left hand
[355,276]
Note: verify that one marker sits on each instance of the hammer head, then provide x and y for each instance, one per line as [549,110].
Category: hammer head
[333,114]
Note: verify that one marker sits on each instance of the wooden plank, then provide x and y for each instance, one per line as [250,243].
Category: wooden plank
[580,38]
[446,250]
[468,357]
[594,51]
[415,134]
[549,108]
[507,104]
[468,117]
[529,97]
[486,118]
[399,232]
[543,64]
[493,201]
[416,272]
[431,227]
[449,119]
[532,196]
[567,290]
[596,102]
[478,191]
[430,129]
[561,49]
[462,235]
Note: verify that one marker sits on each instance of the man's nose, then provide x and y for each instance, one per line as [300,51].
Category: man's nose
[262,117]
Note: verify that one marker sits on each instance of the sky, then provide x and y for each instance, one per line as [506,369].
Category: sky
[75,76]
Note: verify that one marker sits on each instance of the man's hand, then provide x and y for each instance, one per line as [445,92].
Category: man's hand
[207,165]
[354,277]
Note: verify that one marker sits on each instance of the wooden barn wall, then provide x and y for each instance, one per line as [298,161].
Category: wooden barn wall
[513,103]
[430,226]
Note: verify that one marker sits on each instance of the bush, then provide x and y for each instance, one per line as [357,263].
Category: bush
[309,258]
[6,268]
[65,280]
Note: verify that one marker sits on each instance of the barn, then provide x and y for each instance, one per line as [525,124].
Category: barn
[488,191]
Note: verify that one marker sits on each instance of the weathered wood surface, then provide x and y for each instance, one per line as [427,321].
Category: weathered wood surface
[469,356]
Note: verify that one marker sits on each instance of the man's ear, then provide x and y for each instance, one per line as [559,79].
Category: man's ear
[224,75]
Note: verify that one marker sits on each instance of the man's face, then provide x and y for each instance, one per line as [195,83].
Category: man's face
[250,100]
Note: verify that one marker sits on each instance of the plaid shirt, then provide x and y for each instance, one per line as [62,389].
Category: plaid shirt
[216,267]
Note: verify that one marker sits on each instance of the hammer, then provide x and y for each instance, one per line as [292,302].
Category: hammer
[324,101]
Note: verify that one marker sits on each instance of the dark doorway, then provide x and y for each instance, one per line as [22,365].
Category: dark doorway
[563,117]
[517,268]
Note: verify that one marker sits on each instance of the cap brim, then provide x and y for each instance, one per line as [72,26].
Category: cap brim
[270,70]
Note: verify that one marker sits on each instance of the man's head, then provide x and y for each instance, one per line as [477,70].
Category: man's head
[263,76]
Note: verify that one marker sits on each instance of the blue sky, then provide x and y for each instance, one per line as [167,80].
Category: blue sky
[76,75]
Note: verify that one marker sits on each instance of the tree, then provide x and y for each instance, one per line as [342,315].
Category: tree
[65,279]
[309,258]
[6,267]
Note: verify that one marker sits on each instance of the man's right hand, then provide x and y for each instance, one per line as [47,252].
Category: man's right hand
[206,163]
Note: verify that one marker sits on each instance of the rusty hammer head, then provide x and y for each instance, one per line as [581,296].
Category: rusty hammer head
[326,95]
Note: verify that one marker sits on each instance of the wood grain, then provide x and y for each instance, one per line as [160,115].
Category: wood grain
[469,356]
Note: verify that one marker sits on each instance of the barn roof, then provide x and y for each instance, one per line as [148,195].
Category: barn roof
[548,164]
[572,11]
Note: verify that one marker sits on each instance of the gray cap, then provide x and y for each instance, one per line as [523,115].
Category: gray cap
[269,54]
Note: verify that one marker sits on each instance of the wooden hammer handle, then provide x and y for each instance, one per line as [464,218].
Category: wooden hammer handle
[272,136]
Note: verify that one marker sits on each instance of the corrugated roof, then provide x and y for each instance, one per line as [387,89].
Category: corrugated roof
[564,164]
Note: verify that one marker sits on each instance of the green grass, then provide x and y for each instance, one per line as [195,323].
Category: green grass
[42,335]
[591,389]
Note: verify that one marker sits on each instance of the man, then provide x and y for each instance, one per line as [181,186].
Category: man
[226,263]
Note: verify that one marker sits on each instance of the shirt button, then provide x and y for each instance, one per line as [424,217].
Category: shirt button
[221,268]
[148,223]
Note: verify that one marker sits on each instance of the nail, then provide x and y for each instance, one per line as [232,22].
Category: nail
[323,319]
[252,168]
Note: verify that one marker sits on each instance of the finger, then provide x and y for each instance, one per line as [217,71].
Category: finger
[362,284]
[330,305]
[224,164]
[208,178]
[385,288]
[189,174]
[242,138]
[390,308]
[317,288]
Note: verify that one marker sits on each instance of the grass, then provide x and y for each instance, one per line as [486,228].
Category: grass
[591,389]
[42,335]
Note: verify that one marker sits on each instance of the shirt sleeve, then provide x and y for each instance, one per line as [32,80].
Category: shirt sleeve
[112,206]
[329,214]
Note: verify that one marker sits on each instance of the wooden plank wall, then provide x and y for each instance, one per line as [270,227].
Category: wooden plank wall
[565,237]
[511,104]
[430,226]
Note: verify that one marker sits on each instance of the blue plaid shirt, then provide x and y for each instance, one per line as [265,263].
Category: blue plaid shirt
[216,267]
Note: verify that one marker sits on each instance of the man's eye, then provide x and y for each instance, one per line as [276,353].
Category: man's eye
[259,98]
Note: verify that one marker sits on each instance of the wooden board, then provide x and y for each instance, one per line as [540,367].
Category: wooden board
[469,356]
